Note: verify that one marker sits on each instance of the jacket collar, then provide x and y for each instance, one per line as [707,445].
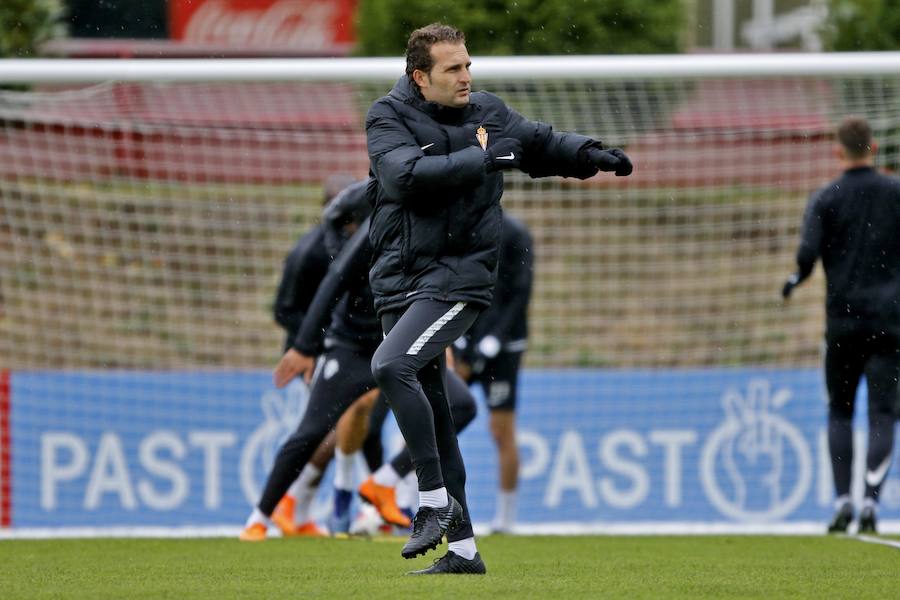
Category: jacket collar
[407,92]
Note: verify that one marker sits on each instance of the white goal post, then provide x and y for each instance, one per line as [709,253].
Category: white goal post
[664,66]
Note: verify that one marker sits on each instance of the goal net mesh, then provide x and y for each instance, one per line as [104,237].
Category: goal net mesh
[143,228]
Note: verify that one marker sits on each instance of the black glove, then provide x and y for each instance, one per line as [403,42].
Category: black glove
[789,285]
[610,160]
[505,153]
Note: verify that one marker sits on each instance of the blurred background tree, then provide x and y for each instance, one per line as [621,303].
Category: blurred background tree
[26,24]
[527,27]
[862,25]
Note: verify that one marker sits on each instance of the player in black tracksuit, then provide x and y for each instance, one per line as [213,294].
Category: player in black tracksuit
[437,152]
[304,268]
[491,352]
[853,225]
[347,341]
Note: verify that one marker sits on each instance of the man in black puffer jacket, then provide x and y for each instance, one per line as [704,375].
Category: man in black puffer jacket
[437,152]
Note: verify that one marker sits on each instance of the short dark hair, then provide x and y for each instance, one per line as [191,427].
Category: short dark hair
[855,135]
[418,48]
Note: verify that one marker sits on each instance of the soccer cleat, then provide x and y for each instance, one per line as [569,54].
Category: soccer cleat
[868,522]
[254,533]
[429,527]
[309,529]
[453,564]
[384,499]
[841,519]
[283,517]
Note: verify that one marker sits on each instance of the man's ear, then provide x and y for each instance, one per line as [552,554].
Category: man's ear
[421,78]
[839,152]
[873,147]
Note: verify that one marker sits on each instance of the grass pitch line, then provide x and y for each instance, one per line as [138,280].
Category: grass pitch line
[874,540]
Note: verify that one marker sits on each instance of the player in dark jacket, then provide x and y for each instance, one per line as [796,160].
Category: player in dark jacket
[852,225]
[437,152]
[491,352]
[304,268]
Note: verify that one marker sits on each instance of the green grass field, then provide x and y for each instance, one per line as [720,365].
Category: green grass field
[518,567]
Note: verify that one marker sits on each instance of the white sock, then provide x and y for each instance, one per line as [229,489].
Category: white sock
[840,501]
[343,470]
[506,509]
[257,517]
[304,491]
[386,476]
[434,498]
[464,548]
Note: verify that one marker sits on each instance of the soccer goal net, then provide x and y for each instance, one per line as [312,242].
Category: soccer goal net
[145,210]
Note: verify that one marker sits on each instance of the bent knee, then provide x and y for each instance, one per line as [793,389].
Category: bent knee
[387,370]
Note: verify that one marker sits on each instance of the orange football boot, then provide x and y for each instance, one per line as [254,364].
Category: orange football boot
[254,533]
[283,517]
[309,529]
[384,500]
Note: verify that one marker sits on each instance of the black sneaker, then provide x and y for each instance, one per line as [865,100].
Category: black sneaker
[453,564]
[868,523]
[841,519]
[429,527]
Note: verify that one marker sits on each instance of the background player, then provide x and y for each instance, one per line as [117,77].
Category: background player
[304,268]
[491,353]
[853,225]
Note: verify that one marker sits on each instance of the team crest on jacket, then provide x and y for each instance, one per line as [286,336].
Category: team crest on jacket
[481,134]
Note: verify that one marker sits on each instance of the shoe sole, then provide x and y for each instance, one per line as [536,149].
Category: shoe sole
[421,552]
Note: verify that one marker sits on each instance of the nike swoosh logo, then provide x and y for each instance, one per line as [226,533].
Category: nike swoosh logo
[416,292]
[427,146]
[873,478]
[511,156]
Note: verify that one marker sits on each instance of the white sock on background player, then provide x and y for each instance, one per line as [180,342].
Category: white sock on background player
[505,515]
[344,465]
[386,476]
[304,492]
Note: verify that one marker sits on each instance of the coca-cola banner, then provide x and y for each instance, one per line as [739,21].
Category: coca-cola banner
[311,25]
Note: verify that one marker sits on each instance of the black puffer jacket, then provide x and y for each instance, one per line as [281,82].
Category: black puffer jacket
[437,221]
[853,225]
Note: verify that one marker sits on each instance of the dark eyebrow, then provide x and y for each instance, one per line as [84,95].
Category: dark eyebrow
[457,66]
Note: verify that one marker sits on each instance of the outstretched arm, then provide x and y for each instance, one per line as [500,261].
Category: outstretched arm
[517,269]
[810,247]
[548,152]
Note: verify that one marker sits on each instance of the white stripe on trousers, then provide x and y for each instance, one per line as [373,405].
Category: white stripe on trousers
[434,328]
